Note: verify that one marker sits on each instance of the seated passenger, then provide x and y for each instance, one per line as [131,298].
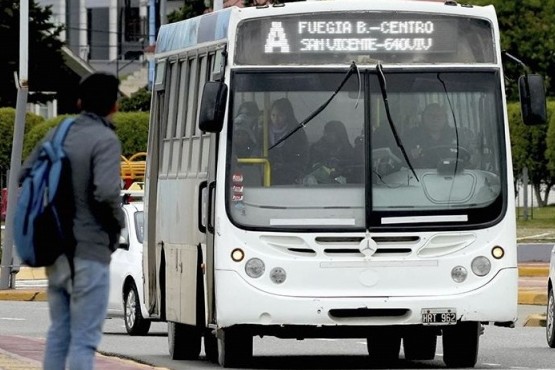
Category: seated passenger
[245,144]
[248,116]
[332,157]
[287,159]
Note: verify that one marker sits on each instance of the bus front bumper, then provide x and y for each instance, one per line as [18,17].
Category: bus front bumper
[239,303]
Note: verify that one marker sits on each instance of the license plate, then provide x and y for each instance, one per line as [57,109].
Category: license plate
[439,316]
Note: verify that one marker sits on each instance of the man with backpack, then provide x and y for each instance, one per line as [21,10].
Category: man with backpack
[78,281]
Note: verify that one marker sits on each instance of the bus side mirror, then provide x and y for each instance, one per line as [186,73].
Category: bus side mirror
[532,99]
[212,106]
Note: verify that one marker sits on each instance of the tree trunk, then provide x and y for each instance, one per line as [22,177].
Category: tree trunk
[542,196]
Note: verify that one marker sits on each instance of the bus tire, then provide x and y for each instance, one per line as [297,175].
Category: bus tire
[461,343]
[183,341]
[211,347]
[420,344]
[234,348]
[384,345]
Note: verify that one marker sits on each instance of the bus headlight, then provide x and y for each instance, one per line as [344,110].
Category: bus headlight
[255,268]
[459,274]
[278,275]
[481,266]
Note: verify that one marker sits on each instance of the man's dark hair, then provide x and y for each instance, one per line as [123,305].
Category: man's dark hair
[98,93]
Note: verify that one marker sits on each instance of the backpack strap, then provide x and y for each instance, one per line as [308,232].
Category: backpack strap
[57,140]
[62,130]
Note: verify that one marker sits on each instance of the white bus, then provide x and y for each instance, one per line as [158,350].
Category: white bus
[259,224]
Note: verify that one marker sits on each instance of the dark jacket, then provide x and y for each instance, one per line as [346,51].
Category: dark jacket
[289,159]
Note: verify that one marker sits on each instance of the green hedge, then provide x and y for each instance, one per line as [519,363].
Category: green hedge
[7,121]
[131,127]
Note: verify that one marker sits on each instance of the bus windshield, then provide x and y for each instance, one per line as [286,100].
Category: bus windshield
[345,169]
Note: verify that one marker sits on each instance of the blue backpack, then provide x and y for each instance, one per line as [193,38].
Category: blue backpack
[43,224]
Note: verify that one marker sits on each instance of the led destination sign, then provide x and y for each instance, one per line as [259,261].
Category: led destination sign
[393,37]
[359,36]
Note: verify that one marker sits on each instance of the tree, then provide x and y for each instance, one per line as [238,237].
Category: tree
[46,64]
[531,149]
[527,28]
[139,101]
[191,9]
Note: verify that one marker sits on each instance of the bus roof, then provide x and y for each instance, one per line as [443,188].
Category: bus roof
[215,26]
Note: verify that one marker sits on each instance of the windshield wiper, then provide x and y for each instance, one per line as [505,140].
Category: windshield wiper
[455,125]
[383,88]
[318,110]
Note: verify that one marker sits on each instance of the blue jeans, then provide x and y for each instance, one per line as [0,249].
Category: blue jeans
[77,313]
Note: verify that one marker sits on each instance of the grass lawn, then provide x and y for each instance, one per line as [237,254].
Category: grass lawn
[539,227]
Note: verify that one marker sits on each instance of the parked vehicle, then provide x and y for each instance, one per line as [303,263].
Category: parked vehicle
[550,321]
[126,269]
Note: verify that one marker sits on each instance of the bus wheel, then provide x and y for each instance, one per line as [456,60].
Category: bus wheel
[384,345]
[550,322]
[460,344]
[210,346]
[183,341]
[234,348]
[420,344]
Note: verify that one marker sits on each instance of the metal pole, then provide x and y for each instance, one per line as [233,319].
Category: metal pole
[525,192]
[151,39]
[17,146]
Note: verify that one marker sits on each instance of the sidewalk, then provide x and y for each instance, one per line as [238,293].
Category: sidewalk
[24,353]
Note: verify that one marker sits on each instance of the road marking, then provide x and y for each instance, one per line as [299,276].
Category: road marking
[534,236]
[12,318]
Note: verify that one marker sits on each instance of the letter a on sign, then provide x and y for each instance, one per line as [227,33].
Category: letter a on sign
[276,39]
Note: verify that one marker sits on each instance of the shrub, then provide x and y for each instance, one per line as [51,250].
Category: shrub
[7,121]
[131,128]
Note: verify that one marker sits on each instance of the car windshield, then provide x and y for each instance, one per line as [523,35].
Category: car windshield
[346,170]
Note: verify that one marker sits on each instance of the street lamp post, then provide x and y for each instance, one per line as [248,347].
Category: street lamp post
[8,266]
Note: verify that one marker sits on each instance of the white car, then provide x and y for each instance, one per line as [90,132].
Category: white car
[126,272]
[550,320]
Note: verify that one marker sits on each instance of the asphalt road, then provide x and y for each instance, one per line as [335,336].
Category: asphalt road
[534,252]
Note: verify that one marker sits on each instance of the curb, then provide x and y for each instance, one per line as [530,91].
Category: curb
[536,320]
[542,270]
[31,273]
[532,297]
[37,295]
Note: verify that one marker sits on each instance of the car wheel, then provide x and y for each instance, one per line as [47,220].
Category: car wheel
[550,324]
[135,323]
